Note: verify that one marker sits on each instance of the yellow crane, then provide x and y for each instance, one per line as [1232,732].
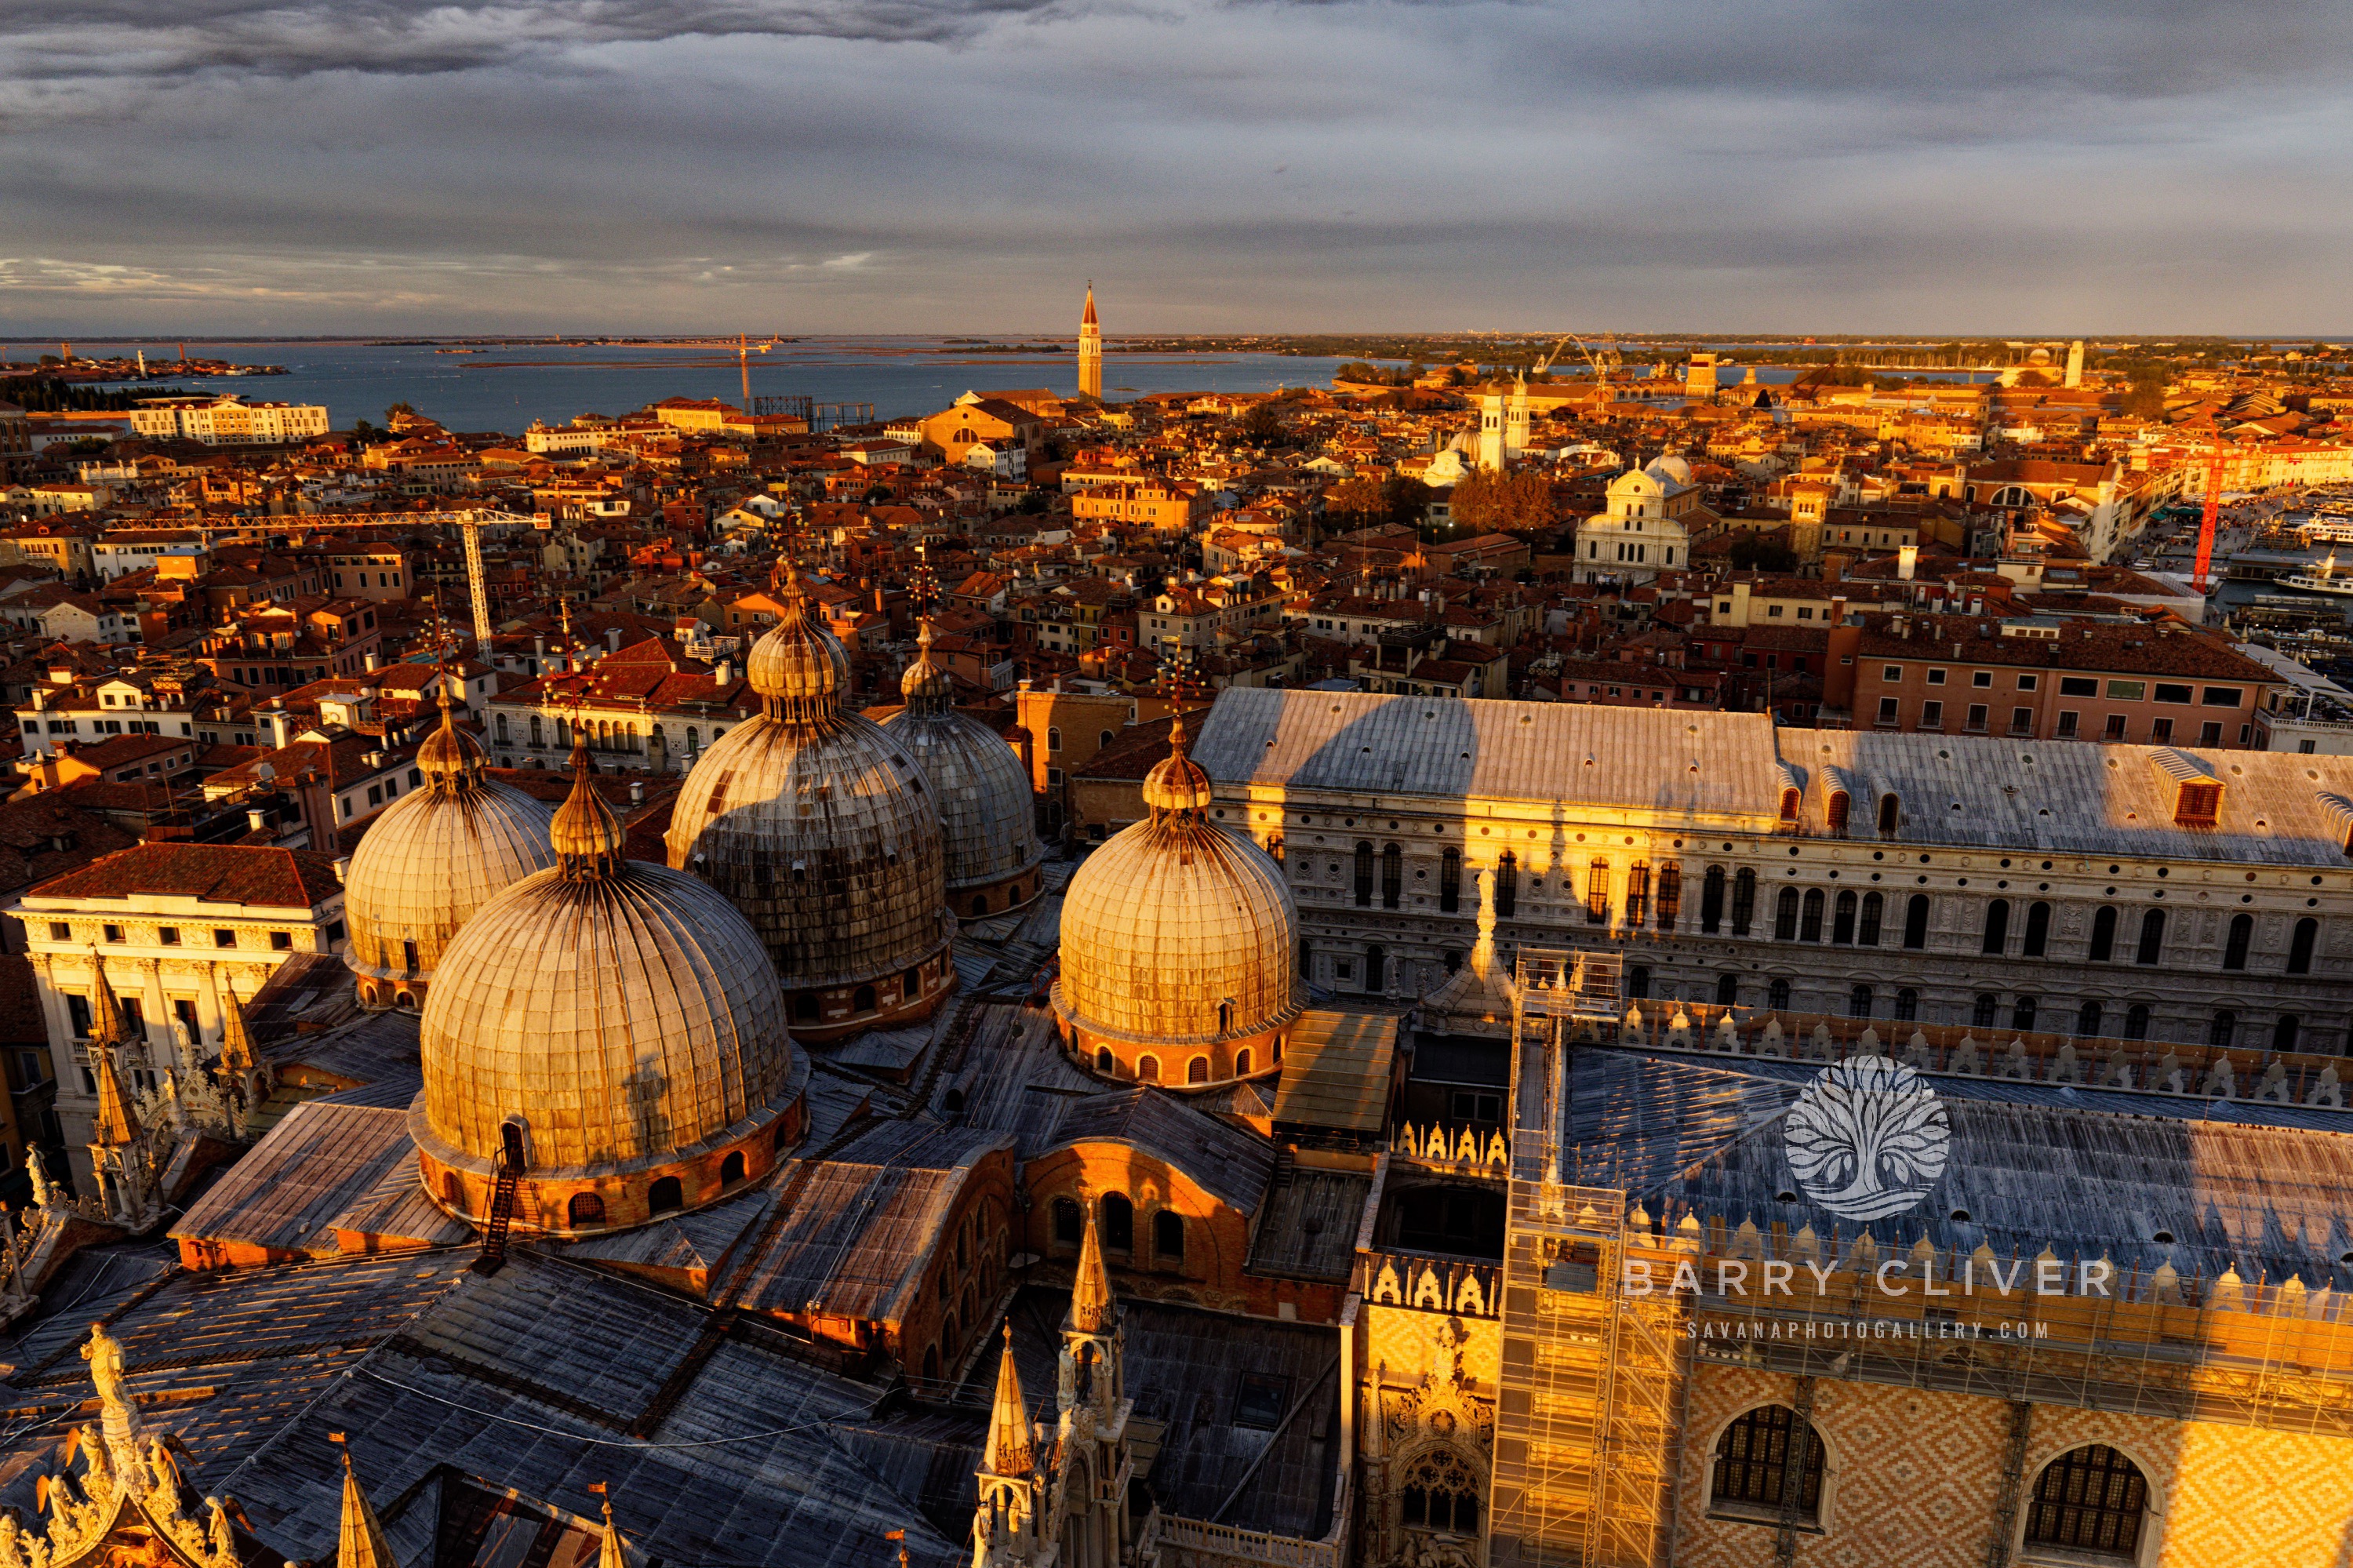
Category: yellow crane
[467,522]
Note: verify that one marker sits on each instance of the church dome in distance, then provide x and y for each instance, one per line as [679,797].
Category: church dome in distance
[1177,943]
[981,789]
[1668,468]
[431,860]
[614,1028]
[820,827]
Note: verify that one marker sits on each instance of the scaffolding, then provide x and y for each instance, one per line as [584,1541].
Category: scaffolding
[1591,1380]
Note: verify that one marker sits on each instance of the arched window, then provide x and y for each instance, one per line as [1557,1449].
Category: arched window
[862,1000]
[1169,1238]
[535,733]
[1225,1017]
[1105,1063]
[805,1008]
[1507,885]
[1866,930]
[1836,814]
[2021,1013]
[1785,916]
[2152,937]
[2242,937]
[1053,737]
[931,1363]
[1118,1222]
[1440,1492]
[2283,1033]
[2088,1018]
[1777,996]
[1857,1002]
[910,984]
[1769,1460]
[1907,1004]
[2223,1029]
[1596,894]
[1744,900]
[2089,1500]
[503,726]
[1242,1063]
[1637,895]
[1638,983]
[1711,901]
[1915,922]
[1197,1070]
[780,1139]
[1069,1223]
[1450,882]
[664,1196]
[1982,1011]
[1363,876]
[1843,918]
[1392,877]
[1376,968]
[1105,738]
[1810,924]
[1997,928]
[586,1211]
[2301,945]
[1727,989]
[1889,806]
[2137,1020]
[1789,800]
[1670,895]
[1147,1069]
[2104,933]
[2038,930]
[731,1169]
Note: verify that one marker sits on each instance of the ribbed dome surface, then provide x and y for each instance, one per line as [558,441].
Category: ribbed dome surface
[624,1015]
[1171,919]
[980,791]
[826,837]
[429,862]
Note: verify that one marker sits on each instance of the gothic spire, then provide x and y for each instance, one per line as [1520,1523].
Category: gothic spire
[1090,1299]
[236,1054]
[610,1553]
[1009,1451]
[359,1543]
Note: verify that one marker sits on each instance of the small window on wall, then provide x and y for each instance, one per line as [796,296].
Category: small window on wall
[1118,1217]
[1070,1221]
[1169,1238]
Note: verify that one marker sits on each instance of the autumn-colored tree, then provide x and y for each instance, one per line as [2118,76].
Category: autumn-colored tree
[1497,502]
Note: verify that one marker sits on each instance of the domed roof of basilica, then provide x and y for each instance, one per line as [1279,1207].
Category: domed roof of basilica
[1668,468]
[436,856]
[980,786]
[624,1012]
[816,823]
[1178,929]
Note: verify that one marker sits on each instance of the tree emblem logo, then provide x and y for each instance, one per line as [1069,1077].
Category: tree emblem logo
[1867,1138]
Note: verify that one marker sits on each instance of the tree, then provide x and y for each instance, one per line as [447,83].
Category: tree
[1499,502]
[1264,424]
[2032,378]
[393,414]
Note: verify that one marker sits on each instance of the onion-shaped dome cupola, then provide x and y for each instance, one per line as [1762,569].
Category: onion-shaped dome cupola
[822,828]
[612,1029]
[431,860]
[1177,943]
[982,791]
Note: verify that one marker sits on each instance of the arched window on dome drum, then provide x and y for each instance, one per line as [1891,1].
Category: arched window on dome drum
[1810,924]
[1711,901]
[862,1000]
[1363,874]
[1197,1070]
[1744,901]
[1118,1222]
[1069,1223]
[1866,930]
[2103,934]
[453,1191]
[1785,916]
[2301,945]
[910,984]
[665,1197]
[1450,882]
[731,1169]
[1392,877]
[1242,1063]
[2152,937]
[1507,885]
[979,904]
[408,957]
[1670,895]
[2091,1500]
[1915,922]
[1225,1016]
[1777,996]
[2242,937]
[1843,918]
[586,1211]
[1105,1063]
[1147,1069]
[1169,1238]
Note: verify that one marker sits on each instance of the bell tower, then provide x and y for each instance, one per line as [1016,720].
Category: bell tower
[1090,350]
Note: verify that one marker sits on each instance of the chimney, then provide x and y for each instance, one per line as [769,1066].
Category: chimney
[724,671]
[343,866]
[1908,561]
[637,792]
[612,640]
[371,662]
[256,820]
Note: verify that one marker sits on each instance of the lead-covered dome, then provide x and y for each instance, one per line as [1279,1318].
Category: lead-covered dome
[430,860]
[822,829]
[1177,943]
[622,1018]
[980,788]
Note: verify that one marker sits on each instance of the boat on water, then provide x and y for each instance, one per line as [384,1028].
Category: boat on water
[2328,530]
[2323,578]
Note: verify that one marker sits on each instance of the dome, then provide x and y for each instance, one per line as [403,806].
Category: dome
[1178,932]
[980,791]
[626,1017]
[1670,470]
[431,860]
[821,829]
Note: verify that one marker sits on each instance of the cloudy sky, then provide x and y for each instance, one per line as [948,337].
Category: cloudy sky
[963,165]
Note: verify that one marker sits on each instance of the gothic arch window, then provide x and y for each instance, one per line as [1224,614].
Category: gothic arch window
[2021,1013]
[1907,1004]
[1727,989]
[2090,1500]
[2088,1018]
[1769,1460]
[1440,1492]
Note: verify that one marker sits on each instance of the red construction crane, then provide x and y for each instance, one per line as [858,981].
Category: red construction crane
[2206,524]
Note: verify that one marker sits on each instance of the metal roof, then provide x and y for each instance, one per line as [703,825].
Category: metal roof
[1336,1070]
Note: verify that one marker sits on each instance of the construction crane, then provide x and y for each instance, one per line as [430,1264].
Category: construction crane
[469,522]
[2206,523]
